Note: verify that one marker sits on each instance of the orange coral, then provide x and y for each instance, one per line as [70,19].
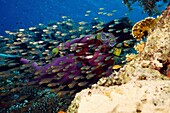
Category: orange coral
[61,111]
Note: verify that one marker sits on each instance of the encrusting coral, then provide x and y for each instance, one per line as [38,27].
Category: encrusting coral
[141,85]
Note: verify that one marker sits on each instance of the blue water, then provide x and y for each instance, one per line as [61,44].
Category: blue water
[15,14]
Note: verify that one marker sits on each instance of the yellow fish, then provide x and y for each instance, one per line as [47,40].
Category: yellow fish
[117,51]
[55,51]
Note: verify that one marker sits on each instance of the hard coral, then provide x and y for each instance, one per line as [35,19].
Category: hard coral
[149,6]
[143,27]
[139,47]
[157,45]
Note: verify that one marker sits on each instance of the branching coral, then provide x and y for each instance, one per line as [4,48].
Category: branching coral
[149,6]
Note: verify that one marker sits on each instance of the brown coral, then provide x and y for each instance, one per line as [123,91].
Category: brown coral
[143,27]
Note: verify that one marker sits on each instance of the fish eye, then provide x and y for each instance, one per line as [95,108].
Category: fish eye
[107,36]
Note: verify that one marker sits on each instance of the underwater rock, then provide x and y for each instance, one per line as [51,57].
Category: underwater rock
[142,85]
[139,96]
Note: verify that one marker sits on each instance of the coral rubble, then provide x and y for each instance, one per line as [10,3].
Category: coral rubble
[140,86]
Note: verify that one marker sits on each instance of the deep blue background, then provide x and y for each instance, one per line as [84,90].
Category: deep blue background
[15,14]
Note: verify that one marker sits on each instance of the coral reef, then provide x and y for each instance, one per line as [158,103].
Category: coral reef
[44,66]
[19,93]
[142,85]
[149,6]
